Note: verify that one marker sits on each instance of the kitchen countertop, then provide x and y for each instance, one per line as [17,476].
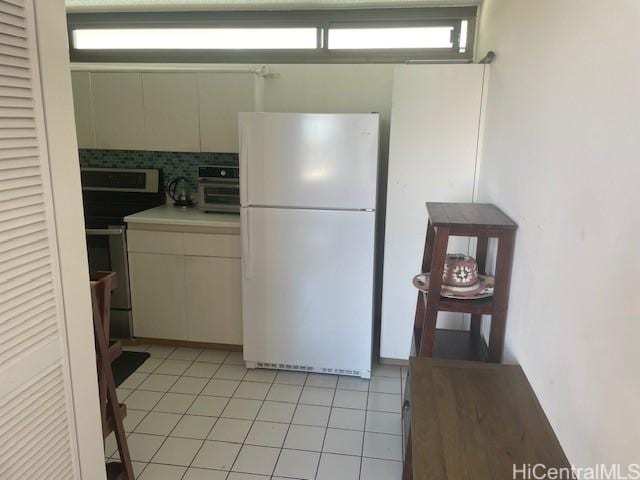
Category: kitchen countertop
[188,217]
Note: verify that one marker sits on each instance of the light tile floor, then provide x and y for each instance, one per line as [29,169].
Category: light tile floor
[200,415]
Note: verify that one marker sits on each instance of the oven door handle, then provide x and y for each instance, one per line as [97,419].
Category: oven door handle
[104,231]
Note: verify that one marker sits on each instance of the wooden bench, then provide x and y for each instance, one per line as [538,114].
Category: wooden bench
[473,421]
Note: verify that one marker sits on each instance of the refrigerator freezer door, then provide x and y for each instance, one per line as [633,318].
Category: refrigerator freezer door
[307,288]
[309,160]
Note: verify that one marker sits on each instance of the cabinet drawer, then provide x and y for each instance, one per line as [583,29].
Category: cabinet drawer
[143,241]
[211,245]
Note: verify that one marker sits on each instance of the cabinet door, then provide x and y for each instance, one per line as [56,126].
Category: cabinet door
[214,299]
[118,110]
[83,109]
[171,111]
[158,295]
[222,97]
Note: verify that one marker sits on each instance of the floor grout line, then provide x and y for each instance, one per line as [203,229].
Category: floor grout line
[183,414]
[326,430]
[163,396]
[145,416]
[364,429]
[204,441]
[286,434]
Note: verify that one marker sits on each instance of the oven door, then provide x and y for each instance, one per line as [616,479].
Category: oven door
[107,251]
[222,196]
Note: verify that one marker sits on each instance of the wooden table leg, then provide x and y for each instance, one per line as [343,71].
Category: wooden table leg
[418,321]
[501,295]
[433,297]
[407,468]
[420,310]
[428,247]
[481,259]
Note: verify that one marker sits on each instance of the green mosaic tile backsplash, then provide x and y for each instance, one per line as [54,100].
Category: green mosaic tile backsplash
[173,164]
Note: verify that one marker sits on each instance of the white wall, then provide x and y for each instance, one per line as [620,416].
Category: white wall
[332,88]
[560,156]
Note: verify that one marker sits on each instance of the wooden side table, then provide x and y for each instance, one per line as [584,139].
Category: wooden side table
[483,221]
[474,421]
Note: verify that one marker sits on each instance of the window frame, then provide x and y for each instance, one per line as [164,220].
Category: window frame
[322,20]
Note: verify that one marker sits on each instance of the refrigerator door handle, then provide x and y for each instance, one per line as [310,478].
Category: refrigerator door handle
[246,244]
[244,165]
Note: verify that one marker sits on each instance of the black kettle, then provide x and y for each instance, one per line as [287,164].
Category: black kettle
[179,191]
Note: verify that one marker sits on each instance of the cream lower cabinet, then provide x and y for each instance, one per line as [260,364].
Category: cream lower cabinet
[186,286]
[158,295]
[214,299]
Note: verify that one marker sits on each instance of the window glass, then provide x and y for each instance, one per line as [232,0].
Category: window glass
[195,38]
[395,37]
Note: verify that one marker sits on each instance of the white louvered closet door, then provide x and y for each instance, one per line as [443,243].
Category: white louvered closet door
[37,431]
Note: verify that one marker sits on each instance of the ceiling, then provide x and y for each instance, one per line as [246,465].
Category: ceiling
[173,5]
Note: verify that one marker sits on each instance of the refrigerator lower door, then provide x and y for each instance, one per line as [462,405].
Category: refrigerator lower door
[307,289]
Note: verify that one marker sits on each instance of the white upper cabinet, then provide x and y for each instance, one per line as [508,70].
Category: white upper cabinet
[118,110]
[83,108]
[163,111]
[171,111]
[222,97]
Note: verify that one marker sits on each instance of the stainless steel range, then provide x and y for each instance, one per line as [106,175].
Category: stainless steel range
[109,195]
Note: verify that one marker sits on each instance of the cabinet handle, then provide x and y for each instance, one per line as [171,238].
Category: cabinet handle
[406,405]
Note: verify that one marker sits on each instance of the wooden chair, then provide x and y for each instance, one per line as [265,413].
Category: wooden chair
[112,411]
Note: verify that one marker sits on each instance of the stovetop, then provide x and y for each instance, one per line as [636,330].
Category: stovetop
[105,202]
[110,208]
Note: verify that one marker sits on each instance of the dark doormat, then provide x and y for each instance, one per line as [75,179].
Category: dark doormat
[126,364]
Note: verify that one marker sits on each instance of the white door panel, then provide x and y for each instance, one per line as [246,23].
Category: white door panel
[432,158]
[38,429]
[309,160]
[307,287]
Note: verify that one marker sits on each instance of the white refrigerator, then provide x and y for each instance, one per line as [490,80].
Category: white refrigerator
[308,198]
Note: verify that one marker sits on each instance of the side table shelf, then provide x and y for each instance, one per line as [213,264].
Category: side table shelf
[456,345]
